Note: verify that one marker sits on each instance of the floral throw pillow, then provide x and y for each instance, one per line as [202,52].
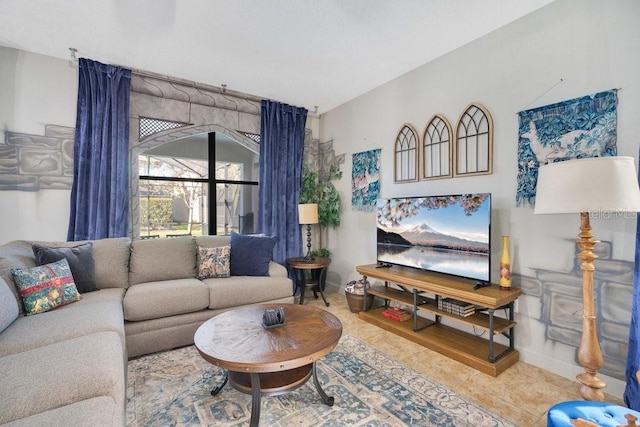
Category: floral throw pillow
[214,262]
[45,287]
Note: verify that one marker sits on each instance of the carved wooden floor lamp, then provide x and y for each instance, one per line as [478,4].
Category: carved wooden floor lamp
[590,187]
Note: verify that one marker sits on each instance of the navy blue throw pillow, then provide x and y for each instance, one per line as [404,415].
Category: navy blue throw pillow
[250,254]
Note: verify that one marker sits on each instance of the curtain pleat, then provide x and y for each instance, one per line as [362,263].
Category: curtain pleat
[100,190]
[281,155]
[632,389]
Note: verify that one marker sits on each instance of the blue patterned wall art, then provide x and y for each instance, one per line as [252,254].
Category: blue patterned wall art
[365,180]
[577,128]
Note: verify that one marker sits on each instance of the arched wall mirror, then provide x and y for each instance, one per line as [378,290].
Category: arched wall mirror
[437,149]
[406,155]
[200,184]
[474,142]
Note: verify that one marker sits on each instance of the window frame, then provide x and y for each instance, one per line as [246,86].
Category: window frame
[211,181]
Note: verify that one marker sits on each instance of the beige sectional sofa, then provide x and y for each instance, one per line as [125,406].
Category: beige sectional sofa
[68,366]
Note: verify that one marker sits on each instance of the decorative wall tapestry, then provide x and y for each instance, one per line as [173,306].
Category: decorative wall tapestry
[577,128]
[365,180]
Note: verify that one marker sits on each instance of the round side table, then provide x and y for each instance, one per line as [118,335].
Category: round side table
[310,273]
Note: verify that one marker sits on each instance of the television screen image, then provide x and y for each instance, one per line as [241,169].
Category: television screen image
[445,234]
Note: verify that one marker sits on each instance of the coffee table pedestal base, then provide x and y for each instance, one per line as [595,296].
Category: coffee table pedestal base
[272,384]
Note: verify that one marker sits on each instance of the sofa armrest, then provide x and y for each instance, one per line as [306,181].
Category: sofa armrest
[277,270]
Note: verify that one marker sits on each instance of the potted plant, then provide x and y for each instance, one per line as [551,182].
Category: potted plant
[322,252]
[325,194]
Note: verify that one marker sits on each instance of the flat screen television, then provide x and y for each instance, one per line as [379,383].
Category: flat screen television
[446,234]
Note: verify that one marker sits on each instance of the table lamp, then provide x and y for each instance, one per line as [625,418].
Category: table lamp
[588,186]
[308,214]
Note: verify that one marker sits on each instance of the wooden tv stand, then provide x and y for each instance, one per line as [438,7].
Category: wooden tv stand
[422,290]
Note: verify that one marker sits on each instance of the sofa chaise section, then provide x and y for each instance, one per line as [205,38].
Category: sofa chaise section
[67,322]
[65,373]
[58,365]
[94,412]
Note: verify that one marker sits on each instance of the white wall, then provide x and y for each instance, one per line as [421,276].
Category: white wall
[36,90]
[592,46]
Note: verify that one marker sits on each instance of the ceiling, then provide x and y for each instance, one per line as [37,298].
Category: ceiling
[305,53]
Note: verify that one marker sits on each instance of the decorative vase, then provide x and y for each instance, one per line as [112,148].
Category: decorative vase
[505,265]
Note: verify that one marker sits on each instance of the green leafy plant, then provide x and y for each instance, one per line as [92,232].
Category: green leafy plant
[155,212]
[322,252]
[325,194]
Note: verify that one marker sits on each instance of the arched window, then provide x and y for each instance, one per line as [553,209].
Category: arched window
[474,142]
[406,155]
[437,148]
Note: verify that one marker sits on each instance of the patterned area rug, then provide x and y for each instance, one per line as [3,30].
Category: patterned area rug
[173,388]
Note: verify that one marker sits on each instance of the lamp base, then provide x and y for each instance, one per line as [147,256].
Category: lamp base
[589,353]
[308,256]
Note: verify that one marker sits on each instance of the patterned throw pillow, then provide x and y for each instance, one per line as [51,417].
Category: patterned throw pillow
[45,287]
[214,262]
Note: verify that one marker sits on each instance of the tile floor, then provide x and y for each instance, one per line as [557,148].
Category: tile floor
[522,394]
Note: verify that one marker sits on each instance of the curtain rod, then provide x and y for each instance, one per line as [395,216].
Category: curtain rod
[142,73]
[221,90]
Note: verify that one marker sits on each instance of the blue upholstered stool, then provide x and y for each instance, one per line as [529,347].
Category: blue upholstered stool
[600,413]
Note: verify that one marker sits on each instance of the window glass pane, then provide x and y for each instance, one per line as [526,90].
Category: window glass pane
[230,171]
[236,208]
[172,167]
[234,161]
[170,208]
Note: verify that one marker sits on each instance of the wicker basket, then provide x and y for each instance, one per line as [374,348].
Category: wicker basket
[355,302]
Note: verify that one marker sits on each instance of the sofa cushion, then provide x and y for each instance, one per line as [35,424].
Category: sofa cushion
[95,412]
[165,298]
[213,262]
[111,258]
[9,310]
[251,254]
[80,259]
[241,290]
[162,259]
[61,374]
[212,241]
[45,287]
[97,312]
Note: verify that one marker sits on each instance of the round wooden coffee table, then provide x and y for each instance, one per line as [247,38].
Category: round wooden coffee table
[268,361]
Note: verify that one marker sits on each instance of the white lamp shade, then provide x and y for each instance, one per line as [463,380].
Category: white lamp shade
[308,213]
[596,184]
